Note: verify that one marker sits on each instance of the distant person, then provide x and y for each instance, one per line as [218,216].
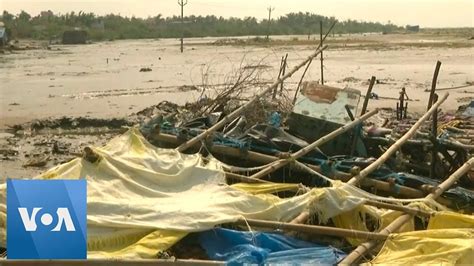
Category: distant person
[403,94]
[402,108]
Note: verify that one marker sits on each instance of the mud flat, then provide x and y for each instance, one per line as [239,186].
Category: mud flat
[115,79]
[104,79]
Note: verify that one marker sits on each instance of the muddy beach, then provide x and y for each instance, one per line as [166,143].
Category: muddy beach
[104,80]
[141,113]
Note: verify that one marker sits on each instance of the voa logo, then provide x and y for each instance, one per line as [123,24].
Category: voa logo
[46,219]
[63,215]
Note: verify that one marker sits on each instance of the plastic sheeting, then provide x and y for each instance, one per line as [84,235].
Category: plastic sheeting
[447,219]
[143,199]
[443,246]
[238,248]
[448,240]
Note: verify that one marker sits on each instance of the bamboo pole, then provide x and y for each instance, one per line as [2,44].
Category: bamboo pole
[394,207]
[469,165]
[242,108]
[301,81]
[356,254]
[434,139]
[375,165]
[312,229]
[245,179]
[303,217]
[265,158]
[294,156]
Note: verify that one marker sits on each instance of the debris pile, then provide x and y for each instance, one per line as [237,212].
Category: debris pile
[235,178]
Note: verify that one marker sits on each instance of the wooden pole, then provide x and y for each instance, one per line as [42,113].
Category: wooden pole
[367,95]
[182,3]
[270,9]
[398,111]
[433,84]
[241,109]
[312,229]
[375,165]
[309,63]
[434,136]
[284,70]
[301,81]
[294,156]
[279,75]
[355,136]
[349,112]
[362,249]
[322,59]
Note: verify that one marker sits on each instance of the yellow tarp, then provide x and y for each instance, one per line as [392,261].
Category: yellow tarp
[446,219]
[443,246]
[265,188]
[142,199]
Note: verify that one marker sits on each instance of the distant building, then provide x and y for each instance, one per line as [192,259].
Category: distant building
[75,37]
[413,28]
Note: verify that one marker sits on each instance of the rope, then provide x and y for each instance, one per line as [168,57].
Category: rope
[452,123]
[355,191]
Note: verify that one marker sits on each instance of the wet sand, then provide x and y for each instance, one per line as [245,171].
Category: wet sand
[76,80]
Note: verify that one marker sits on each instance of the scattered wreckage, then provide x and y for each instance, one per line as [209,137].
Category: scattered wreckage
[312,185]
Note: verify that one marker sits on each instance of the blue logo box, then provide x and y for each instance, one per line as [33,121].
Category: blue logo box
[46,219]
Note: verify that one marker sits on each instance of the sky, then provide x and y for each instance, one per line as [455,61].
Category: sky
[426,13]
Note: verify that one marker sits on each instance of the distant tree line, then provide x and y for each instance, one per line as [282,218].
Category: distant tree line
[48,25]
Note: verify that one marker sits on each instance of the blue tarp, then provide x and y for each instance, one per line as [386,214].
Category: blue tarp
[236,247]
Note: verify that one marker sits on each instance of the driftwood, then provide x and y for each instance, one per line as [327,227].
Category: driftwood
[356,254]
